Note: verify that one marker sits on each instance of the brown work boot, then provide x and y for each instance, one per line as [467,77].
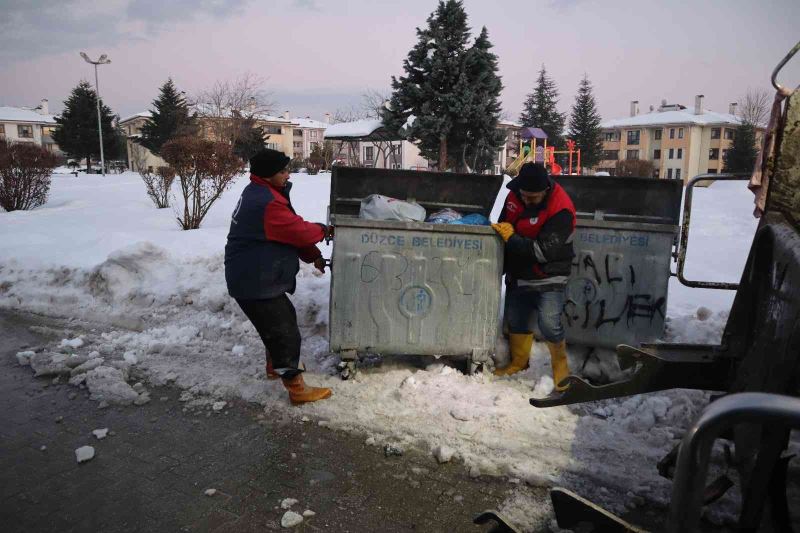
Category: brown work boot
[271,374]
[300,393]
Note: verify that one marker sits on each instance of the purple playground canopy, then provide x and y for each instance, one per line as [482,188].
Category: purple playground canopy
[532,133]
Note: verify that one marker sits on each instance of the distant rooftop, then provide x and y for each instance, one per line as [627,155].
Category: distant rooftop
[21,114]
[357,128]
[673,114]
[143,114]
[310,123]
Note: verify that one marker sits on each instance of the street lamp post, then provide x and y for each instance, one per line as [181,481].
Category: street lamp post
[103,60]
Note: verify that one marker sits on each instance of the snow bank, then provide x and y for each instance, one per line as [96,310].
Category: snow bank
[99,251]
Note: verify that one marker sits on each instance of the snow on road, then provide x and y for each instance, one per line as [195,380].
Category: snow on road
[100,251]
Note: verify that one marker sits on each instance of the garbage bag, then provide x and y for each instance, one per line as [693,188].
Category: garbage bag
[379,207]
[443,216]
[473,219]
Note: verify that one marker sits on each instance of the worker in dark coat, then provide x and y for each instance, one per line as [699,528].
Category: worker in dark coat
[265,243]
[537,224]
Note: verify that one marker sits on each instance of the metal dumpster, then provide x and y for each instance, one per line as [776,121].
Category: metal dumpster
[626,231]
[413,287]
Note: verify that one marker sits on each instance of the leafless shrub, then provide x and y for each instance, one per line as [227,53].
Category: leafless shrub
[25,170]
[158,184]
[205,169]
[637,168]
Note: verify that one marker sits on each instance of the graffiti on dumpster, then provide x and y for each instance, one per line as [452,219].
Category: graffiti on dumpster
[605,292]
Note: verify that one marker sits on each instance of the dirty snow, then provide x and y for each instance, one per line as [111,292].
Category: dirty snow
[100,254]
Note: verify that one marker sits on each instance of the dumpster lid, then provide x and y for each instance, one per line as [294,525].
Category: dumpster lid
[466,193]
[644,200]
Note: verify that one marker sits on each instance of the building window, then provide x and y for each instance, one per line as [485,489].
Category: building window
[633,137]
[610,155]
[715,133]
[24,131]
[297,132]
[275,130]
[669,173]
[729,134]
[657,135]
[2,131]
[298,144]
[672,133]
[713,154]
[677,173]
[274,146]
[313,134]
[711,171]
[632,154]
[657,173]
[680,153]
[672,153]
[369,153]
[611,136]
[680,133]
[656,154]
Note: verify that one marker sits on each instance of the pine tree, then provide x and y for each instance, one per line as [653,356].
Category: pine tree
[169,118]
[540,111]
[584,125]
[433,69]
[76,129]
[743,152]
[476,133]
[249,139]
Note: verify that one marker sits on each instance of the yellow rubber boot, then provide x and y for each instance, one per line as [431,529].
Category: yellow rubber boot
[520,345]
[300,393]
[558,360]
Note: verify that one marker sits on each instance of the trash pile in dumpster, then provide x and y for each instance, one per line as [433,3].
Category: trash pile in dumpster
[380,207]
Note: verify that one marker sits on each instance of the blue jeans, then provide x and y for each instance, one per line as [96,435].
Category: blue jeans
[522,303]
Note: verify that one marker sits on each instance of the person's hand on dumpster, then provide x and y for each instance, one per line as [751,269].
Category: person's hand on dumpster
[504,229]
[319,264]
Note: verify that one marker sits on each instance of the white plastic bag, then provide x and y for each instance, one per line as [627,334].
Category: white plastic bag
[379,207]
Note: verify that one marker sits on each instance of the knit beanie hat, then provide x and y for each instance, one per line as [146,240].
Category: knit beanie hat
[532,177]
[267,163]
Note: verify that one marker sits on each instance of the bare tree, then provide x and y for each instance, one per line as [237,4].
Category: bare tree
[158,184]
[373,102]
[205,169]
[230,104]
[347,114]
[755,107]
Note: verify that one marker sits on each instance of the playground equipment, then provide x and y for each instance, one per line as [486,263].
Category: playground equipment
[533,152]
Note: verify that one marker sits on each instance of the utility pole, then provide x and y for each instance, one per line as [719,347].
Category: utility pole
[103,60]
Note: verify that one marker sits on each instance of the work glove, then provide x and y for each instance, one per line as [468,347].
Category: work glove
[504,229]
[319,264]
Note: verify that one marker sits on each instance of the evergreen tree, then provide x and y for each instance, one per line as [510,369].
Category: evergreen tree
[540,111]
[249,139]
[476,133]
[442,87]
[169,118]
[743,152]
[584,125]
[76,129]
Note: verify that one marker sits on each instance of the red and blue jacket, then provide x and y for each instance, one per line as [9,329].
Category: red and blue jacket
[266,241]
[541,247]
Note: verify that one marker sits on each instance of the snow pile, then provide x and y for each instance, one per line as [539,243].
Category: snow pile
[99,252]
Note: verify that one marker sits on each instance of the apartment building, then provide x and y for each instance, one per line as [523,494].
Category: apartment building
[278,135]
[680,142]
[306,135]
[33,125]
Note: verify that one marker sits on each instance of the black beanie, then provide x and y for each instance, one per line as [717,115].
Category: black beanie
[532,177]
[267,163]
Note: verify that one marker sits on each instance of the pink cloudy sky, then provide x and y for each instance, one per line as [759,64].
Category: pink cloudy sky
[319,55]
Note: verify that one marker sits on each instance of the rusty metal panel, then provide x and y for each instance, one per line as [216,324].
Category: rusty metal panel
[617,293]
[414,288]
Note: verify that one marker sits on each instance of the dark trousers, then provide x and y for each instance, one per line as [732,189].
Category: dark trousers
[276,322]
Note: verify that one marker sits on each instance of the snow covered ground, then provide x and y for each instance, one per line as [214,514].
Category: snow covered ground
[100,252]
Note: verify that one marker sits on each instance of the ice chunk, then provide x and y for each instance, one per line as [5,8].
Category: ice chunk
[71,343]
[100,434]
[219,406]
[287,503]
[308,513]
[84,453]
[130,358]
[443,453]
[108,384]
[91,364]
[237,350]
[210,492]
[291,519]
[24,358]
